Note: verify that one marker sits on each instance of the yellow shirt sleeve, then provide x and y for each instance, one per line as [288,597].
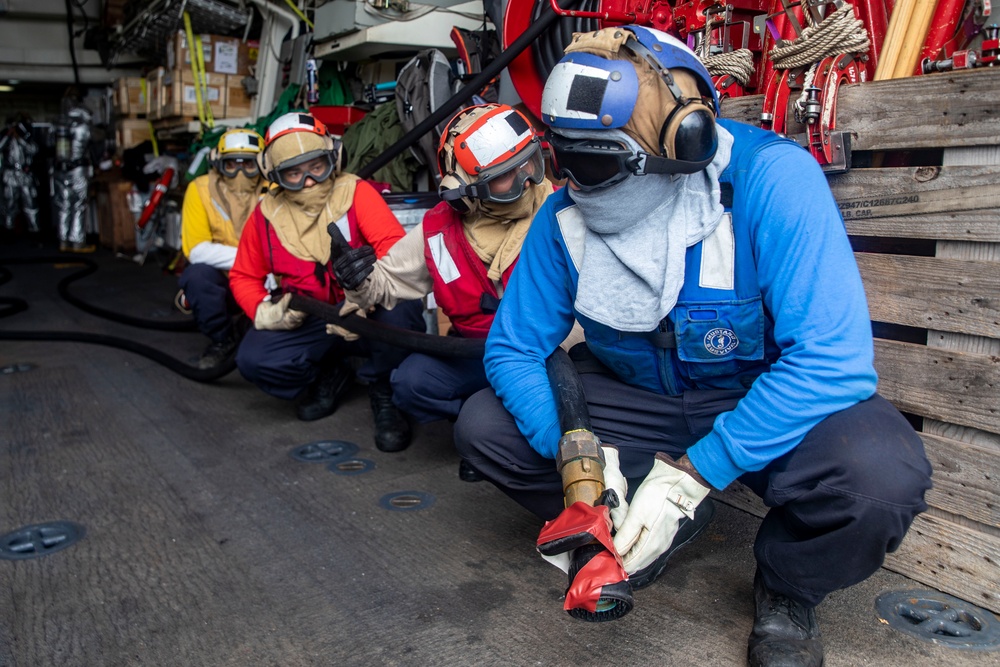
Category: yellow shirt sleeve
[194,221]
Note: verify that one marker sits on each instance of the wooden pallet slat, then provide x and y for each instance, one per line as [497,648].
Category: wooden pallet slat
[964,482]
[954,295]
[951,558]
[947,385]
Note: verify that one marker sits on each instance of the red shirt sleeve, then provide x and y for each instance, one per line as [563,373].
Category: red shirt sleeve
[377,222]
[250,269]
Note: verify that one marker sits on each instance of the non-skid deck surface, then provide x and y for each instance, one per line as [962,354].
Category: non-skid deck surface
[207,544]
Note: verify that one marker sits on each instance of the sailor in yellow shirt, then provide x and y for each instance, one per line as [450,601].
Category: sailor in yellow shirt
[216,206]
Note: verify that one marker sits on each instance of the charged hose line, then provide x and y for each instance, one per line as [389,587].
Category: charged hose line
[14,305]
[435,346]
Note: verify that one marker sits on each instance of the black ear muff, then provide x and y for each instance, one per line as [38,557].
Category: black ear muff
[688,134]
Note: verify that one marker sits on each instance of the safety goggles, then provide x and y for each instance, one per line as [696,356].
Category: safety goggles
[292,174]
[231,166]
[505,182]
[592,164]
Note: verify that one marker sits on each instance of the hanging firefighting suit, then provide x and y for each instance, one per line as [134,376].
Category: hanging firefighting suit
[71,178]
[17,150]
[727,337]
[463,252]
[288,354]
[216,207]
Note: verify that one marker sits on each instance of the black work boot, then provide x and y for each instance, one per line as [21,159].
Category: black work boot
[467,473]
[322,396]
[392,431]
[686,532]
[219,353]
[785,632]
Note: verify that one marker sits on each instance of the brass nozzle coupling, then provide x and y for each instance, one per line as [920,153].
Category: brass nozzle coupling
[580,462]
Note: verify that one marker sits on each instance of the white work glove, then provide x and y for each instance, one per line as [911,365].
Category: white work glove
[277,316]
[666,496]
[160,164]
[613,479]
[348,308]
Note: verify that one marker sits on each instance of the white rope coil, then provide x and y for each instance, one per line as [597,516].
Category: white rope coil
[840,32]
[737,64]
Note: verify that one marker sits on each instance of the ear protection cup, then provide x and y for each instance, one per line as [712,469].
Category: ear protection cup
[448,191]
[688,132]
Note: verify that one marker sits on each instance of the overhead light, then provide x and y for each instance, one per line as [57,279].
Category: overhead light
[5,88]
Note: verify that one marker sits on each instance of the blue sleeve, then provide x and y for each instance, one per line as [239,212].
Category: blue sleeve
[535,315]
[812,290]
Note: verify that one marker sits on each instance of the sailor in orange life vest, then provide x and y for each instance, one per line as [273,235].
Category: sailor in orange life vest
[493,181]
[289,354]
[216,206]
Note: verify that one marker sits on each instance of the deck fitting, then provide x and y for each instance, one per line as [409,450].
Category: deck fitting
[324,451]
[940,619]
[10,369]
[40,539]
[351,466]
[406,501]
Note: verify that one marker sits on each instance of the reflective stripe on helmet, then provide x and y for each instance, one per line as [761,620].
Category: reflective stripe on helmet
[240,141]
[294,122]
[491,139]
[586,91]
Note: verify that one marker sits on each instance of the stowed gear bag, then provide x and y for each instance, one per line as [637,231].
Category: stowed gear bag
[423,85]
[477,49]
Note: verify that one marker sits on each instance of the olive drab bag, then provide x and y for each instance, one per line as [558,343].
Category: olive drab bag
[423,85]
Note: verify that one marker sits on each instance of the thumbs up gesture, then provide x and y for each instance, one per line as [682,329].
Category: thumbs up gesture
[350,265]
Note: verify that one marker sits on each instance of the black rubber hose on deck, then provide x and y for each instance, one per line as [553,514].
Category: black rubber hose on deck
[435,346]
[15,305]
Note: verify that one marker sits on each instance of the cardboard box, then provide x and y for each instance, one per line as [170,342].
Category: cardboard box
[181,100]
[129,98]
[223,55]
[154,93]
[130,132]
[237,101]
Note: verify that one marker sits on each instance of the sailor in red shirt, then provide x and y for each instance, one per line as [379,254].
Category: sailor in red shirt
[493,181]
[284,249]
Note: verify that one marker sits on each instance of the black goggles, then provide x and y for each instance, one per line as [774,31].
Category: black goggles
[292,174]
[592,164]
[231,166]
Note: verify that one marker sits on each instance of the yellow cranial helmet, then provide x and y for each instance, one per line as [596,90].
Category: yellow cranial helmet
[237,151]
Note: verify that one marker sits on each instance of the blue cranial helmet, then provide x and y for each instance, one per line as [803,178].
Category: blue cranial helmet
[589,94]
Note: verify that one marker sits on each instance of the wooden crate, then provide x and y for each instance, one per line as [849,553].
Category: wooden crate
[927,241]
[116,224]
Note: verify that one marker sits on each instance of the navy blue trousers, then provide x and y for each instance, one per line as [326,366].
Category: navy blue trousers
[432,388]
[212,304]
[841,500]
[284,363]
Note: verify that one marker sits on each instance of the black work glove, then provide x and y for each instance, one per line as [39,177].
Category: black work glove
[350,265]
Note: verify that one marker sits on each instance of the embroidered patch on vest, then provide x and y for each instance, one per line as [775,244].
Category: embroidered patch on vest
[721,341]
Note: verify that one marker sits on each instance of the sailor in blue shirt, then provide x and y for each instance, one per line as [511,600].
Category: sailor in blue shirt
[727,338]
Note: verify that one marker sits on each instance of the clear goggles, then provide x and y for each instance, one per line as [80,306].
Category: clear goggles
[231,166]
[292,174]
[505,182]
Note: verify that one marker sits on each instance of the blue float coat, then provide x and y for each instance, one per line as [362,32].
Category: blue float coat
[816,338]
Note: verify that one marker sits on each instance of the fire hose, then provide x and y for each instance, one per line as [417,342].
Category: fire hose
[598,586]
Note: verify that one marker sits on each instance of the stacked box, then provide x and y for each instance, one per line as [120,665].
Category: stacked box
[222,55]
[179,98]
[131,132]
[129,98]
[237,101]
[154,93]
